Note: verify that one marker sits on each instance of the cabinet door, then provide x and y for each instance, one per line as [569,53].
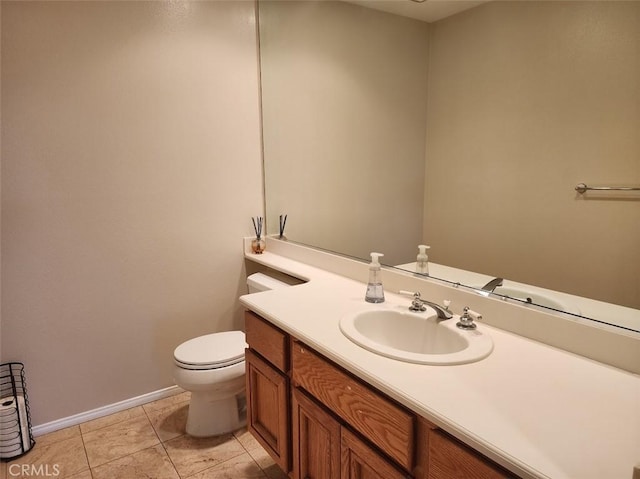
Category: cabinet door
[448,459]
[359,461]
[316,440]
[267,406]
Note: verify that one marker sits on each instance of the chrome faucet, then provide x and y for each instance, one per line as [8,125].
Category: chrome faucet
[418,304]
[492,285]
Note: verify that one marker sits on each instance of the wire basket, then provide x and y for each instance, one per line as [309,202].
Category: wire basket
[16,437]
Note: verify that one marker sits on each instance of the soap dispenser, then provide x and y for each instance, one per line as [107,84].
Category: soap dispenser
[422,261]
[375,293]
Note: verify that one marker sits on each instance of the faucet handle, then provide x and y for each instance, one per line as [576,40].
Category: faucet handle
[417,303]
[467,319]
[409,293]
[476,316]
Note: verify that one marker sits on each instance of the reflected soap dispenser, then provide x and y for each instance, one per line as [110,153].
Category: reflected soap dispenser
[422,261]
[375,293]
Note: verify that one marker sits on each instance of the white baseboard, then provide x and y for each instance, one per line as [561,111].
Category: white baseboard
[105,410]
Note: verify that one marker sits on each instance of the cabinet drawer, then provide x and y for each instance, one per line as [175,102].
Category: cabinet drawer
[449,459]
[270,342]
[385,424]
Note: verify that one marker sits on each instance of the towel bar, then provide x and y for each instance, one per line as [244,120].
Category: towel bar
[582,188]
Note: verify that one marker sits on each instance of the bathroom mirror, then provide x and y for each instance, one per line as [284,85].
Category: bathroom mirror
[468,133]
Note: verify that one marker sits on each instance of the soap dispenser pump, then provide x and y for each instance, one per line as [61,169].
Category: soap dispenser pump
[422,261]
[375,293]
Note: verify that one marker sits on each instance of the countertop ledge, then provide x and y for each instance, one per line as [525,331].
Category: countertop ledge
[539,411]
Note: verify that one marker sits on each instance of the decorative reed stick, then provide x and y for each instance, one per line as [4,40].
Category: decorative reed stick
[283,223]
[257,225]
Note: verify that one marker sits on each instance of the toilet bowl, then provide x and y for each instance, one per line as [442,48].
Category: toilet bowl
[212,368]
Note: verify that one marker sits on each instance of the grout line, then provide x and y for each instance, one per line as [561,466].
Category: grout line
[143,414]
[164,448]
[86,454]
[173,464]
[248,451]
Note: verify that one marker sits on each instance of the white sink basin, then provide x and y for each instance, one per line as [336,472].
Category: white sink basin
[415,337]
[536,298]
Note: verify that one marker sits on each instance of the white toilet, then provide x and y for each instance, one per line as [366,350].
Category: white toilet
[212,368]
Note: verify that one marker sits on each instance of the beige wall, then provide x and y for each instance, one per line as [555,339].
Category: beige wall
[1,356]
[527,99]
[344,109]
[131,165]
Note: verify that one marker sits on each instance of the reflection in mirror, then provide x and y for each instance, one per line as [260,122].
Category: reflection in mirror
[468,134]
[344,110]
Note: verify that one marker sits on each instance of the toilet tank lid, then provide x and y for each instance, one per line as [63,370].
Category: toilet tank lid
[212,349]
[262,282]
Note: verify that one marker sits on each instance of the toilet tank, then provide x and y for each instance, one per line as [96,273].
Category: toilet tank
[257,282]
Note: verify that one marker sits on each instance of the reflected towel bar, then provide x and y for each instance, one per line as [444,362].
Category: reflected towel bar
[581,188]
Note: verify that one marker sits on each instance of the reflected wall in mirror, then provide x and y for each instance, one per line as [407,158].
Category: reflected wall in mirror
[344,112]
[468,134]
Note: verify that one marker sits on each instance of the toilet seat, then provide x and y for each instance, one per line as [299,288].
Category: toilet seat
[211,351]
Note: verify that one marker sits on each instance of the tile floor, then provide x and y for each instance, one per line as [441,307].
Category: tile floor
[147,442]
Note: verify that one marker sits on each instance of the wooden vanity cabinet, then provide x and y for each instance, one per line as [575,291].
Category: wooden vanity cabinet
[267,388]
[317,421]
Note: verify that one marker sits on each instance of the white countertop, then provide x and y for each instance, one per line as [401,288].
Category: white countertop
[539,411]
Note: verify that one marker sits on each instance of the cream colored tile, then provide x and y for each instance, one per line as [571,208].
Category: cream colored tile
[167,402]
[111,419]
[58,436]
[82,475]
[239,467]
[121,439]
[191,455]
[60,459]
[266,463]
[247,439]
[148,463]
[171,421]
[262,457]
